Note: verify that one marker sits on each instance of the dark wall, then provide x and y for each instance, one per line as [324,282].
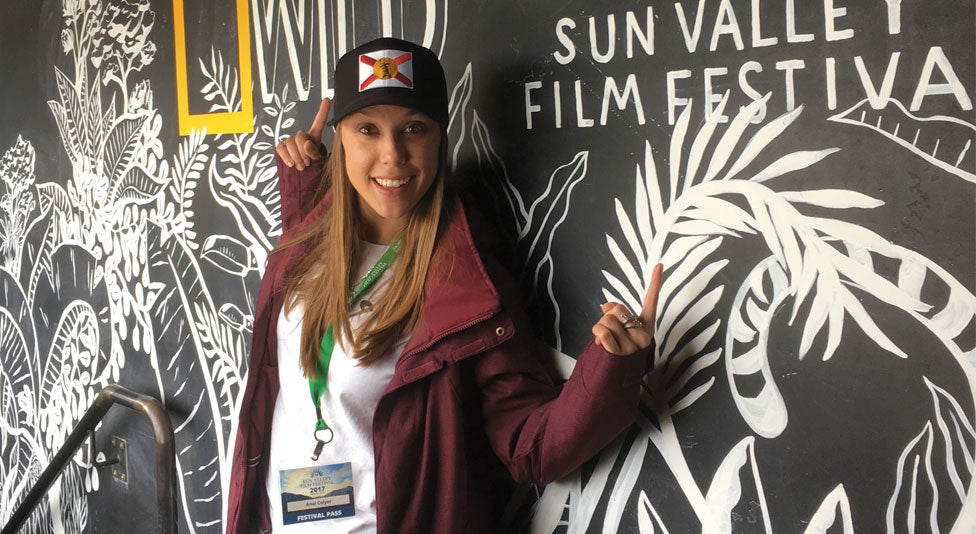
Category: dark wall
[804,170]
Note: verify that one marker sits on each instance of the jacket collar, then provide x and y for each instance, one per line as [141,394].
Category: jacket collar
[458,292]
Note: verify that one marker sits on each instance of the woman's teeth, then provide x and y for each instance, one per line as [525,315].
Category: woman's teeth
[392,183]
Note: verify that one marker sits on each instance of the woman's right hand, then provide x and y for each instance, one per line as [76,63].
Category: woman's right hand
[621,332]
[301,149]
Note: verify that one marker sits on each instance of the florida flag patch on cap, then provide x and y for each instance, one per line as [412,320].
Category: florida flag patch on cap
[385,68]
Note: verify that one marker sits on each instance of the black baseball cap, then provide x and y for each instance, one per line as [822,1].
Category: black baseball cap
[389,71]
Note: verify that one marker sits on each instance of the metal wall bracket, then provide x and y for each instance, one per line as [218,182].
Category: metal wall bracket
[114,456]
[119,463]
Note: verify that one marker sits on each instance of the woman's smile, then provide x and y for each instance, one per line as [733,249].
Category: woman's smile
[392,159]
[393,183]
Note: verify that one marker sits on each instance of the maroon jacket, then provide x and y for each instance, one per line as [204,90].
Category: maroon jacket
[467,392]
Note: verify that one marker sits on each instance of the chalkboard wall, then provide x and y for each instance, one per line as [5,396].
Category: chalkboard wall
[804,170]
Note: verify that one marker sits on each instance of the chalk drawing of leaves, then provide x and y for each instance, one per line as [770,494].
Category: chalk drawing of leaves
[942,450]
[121,41]
[68,492]
[222,82]
[825,275]
[502,191]
[747,337]
[23,455]
[708,201]
[225,336]
[241,175]
[65,394]
[22,451]
[14,301]
[648,520]
[119,146]
[196,382]
[17,408]
[72,363]
[69,118]
[136,186]
[826,515]
[236,179]
[946,142]
[280,115]
[724,497]
[174,210]
[536,223]
[76,276]
[545,216]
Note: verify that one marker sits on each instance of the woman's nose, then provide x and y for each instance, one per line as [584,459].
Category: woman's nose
[393,150]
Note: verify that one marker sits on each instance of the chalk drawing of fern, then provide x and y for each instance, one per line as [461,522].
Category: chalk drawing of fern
[814,264]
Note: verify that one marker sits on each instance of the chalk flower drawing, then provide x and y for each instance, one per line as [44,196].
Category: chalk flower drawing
[104,271]
[16,201]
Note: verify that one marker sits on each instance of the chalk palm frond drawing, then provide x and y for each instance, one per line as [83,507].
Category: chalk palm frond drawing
[813,268]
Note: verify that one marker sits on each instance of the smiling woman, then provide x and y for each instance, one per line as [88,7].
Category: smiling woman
[420,372]
[391,156]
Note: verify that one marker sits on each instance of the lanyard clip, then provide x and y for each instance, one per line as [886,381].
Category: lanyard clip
[320,442]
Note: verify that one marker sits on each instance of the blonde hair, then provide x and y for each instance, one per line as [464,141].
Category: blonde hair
[321,279]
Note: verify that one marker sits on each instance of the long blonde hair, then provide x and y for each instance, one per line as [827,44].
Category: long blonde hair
[322,282]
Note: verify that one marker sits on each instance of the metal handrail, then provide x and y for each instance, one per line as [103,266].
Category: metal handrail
[165,455]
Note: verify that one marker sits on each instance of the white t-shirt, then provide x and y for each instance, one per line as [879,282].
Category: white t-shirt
[347,406]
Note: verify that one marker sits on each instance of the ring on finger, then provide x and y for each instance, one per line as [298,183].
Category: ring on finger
[631,321]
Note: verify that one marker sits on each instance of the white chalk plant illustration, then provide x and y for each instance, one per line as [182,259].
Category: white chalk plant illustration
[710,200]
[932,138]
[96,253]
[115,257]
[535,223]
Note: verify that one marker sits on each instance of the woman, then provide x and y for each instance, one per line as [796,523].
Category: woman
[421,375]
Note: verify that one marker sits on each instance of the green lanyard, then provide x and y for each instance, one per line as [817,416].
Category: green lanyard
[318,385]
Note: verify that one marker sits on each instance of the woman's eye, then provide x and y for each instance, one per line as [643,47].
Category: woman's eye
[414,128]
[367,129]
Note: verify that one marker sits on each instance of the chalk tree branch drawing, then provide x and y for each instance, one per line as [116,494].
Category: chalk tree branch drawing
[109,270]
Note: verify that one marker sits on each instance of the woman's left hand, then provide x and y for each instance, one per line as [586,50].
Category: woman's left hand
[621,332]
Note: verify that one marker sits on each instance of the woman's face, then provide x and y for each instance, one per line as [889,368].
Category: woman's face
[392,157]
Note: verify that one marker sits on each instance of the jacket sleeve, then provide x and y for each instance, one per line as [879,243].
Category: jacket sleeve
[540,431]
[298,191]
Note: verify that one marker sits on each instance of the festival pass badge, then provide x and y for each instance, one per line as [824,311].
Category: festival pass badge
[317,493]
[385,68]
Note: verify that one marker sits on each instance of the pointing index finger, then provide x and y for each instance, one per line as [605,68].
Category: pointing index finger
[649,309]
[318,124]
